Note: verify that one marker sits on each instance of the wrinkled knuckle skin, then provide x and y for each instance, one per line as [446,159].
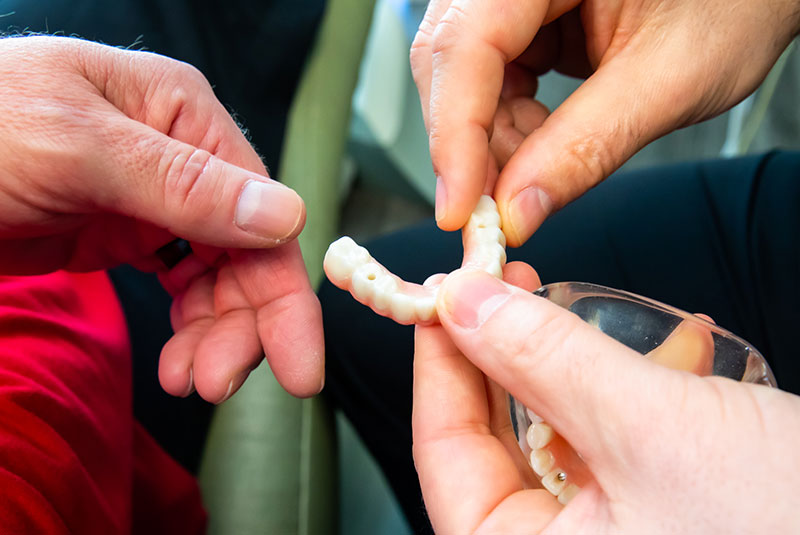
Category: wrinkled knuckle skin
[186,180]
[449,32]
[591,163]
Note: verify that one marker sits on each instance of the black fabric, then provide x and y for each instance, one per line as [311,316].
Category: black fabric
[719,237]
[252,52]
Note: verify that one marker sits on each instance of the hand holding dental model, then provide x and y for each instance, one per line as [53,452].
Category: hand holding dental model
[668,451]
[631,445]
[106,155]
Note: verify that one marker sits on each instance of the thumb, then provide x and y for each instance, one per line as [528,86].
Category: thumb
[176,157]
[195,194]
[567,371]
[612,115]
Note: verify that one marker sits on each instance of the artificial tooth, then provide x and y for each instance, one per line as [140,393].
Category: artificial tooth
[553,483]
[425,308]
[566,495]
[542,461]
[343,257]
[539,435]
[363,281]
[385,286]
[402,307]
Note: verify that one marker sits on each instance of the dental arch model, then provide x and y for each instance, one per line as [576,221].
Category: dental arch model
[350,267]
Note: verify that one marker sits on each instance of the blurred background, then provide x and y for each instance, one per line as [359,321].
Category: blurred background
[348,135]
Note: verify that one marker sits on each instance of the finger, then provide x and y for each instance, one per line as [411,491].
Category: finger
[464,470]
[230,349]
[470,47]
[226,355]
[690,347]
[194,194]
[521,275]
[191,323]
[178,279]
[421,54]
[605,121]
[565,370]
[515,120]
[289,316]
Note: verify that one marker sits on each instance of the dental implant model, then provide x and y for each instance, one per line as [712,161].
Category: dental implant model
[350,267]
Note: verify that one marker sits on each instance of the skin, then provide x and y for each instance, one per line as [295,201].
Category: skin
[734,470]
[650,66]
[106,155]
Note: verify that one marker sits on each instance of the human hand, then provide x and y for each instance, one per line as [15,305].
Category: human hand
[652,67]
[106,155]
[667,451]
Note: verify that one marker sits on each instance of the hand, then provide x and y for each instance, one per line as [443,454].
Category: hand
[667,451]
[652,67]
[105,156]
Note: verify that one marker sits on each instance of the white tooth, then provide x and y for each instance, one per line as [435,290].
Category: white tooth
[385,286]
[539,435]
[489,235]
[566,495]
[425,308]
[363,281]
[483,220]
[402,307]
[343,257]
[552,483]
[494,268]
[542,461]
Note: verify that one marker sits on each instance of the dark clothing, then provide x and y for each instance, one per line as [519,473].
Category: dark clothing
[721,237]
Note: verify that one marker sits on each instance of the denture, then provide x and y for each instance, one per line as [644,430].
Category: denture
[350,267]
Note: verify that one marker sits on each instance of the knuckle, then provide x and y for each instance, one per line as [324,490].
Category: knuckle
[449,31]
[593,158]
[187,180]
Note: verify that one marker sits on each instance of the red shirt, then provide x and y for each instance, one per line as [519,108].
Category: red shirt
[72,457]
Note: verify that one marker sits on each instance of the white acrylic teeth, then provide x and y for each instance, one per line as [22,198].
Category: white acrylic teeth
[553,481]
[350,267]
[542,461]
[569,492]
[539,435]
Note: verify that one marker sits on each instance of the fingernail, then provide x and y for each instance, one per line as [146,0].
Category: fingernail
[235,384]
[526,211]
[469,298]
[190,387]
[441,199]
[269,210]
